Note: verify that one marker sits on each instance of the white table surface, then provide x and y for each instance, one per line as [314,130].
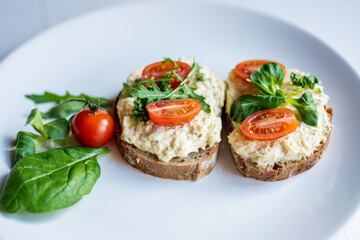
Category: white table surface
[334,22]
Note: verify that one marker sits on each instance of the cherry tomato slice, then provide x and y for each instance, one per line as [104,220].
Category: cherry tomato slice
[173,112]
[159,69]
[90,130]
[244,69]
[269,124]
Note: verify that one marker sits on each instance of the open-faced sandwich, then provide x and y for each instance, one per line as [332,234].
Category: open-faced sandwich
[279,121]
[168,120]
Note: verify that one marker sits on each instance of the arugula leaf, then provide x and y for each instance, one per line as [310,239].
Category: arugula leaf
[171,61]
[306,107]
[51,180]
[154,92]
[63,108]
[246,105]
[49,97]
[303,81]
[58,129]
[204,106]
[268,78]
[35,120]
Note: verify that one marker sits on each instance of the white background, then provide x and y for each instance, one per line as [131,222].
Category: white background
[334,22]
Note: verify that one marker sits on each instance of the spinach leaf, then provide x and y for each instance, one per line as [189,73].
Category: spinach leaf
[58,129]
[246,105]
[303,81]
[35,120]
[51,180]
[48,97]
[306,107]
[268,78]
[25,145]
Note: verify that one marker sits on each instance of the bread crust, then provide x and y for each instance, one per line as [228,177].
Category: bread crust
[193,167]
[279,171]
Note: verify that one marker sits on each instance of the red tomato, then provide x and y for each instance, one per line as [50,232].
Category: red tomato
[159,69]
[173,112]
[244,69]
[90,130]
[269,124]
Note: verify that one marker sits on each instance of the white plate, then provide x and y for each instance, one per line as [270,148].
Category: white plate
[95,54]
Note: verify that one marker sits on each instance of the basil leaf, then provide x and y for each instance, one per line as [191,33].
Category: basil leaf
[48,97]
[303,81]
[25,145]
[246,105]
[51,180]
[268,78]
[58,129]
[35,120]
[306,107]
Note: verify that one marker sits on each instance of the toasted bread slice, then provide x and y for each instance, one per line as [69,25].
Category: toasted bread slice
[193,167]
[280,171]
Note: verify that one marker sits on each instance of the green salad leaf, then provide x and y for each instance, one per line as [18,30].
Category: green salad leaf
[57,129]
[306,107]
[268,78]
[25,145]
[51,180]
[35,120]
[303,81]
[246,105]
[62,110]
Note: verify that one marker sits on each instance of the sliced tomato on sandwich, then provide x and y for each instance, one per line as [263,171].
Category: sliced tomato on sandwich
[159,69]
[269,124]
[173,112]
[244,69]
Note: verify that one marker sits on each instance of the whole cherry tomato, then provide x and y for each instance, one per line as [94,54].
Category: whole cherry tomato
[93,130]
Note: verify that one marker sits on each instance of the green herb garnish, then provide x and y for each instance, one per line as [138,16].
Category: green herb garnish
[148,91]
[303,81]
[268,80]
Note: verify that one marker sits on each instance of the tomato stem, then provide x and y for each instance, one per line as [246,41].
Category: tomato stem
[93,107]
